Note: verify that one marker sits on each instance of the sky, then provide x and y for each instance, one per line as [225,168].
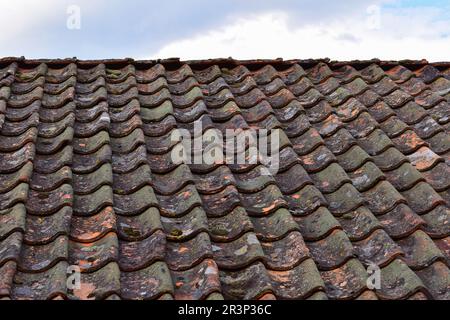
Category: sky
[242,29]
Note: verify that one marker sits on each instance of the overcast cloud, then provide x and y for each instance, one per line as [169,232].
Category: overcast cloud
[196,29]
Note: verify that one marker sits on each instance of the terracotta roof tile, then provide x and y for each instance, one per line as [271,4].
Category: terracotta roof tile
[87,179]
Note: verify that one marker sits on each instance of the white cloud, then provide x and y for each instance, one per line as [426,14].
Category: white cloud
[300,29]
[17,19]
[402,34]
[25,22]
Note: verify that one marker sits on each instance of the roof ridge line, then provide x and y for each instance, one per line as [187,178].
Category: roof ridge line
[224,62]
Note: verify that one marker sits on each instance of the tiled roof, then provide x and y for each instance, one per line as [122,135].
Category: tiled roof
[86,179]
